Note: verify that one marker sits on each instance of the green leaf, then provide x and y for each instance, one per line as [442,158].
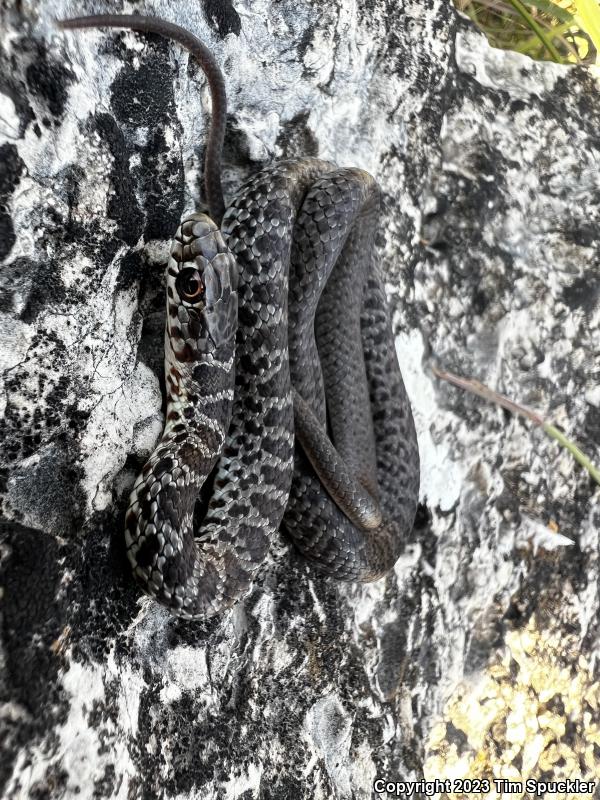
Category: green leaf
[588,15]
[565,35]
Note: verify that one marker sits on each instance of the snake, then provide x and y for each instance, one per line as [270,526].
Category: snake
[286,408]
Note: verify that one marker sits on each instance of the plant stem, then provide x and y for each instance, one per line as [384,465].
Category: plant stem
[559,33]
[573,449]
[479,389]
[529,20]
[483,391]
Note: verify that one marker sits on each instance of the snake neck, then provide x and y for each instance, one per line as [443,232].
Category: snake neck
[199,396]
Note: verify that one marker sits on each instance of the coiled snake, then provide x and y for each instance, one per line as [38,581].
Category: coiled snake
[285,294]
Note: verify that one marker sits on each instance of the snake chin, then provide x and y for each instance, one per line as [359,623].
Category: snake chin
[221,321]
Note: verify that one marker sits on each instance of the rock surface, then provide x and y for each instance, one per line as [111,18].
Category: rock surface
[307,689]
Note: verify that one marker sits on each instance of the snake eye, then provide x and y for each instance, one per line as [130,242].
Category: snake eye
[189,285]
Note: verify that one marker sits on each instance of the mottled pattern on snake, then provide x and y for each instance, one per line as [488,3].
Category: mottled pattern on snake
[361,397]
[251,483]
[215,490]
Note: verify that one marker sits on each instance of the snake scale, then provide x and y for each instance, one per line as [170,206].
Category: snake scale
[286,405]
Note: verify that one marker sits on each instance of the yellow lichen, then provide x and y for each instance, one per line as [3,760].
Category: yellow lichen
[532,715]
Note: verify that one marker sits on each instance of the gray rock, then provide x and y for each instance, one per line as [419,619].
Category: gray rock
[489,236]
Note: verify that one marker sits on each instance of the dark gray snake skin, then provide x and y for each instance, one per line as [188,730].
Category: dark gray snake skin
[287,294]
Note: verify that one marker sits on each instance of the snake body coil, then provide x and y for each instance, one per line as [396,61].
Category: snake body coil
[228,470]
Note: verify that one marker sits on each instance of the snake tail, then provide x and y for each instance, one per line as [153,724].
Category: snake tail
[216,135]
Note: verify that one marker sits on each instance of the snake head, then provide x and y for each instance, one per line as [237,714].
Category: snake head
[201,291]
